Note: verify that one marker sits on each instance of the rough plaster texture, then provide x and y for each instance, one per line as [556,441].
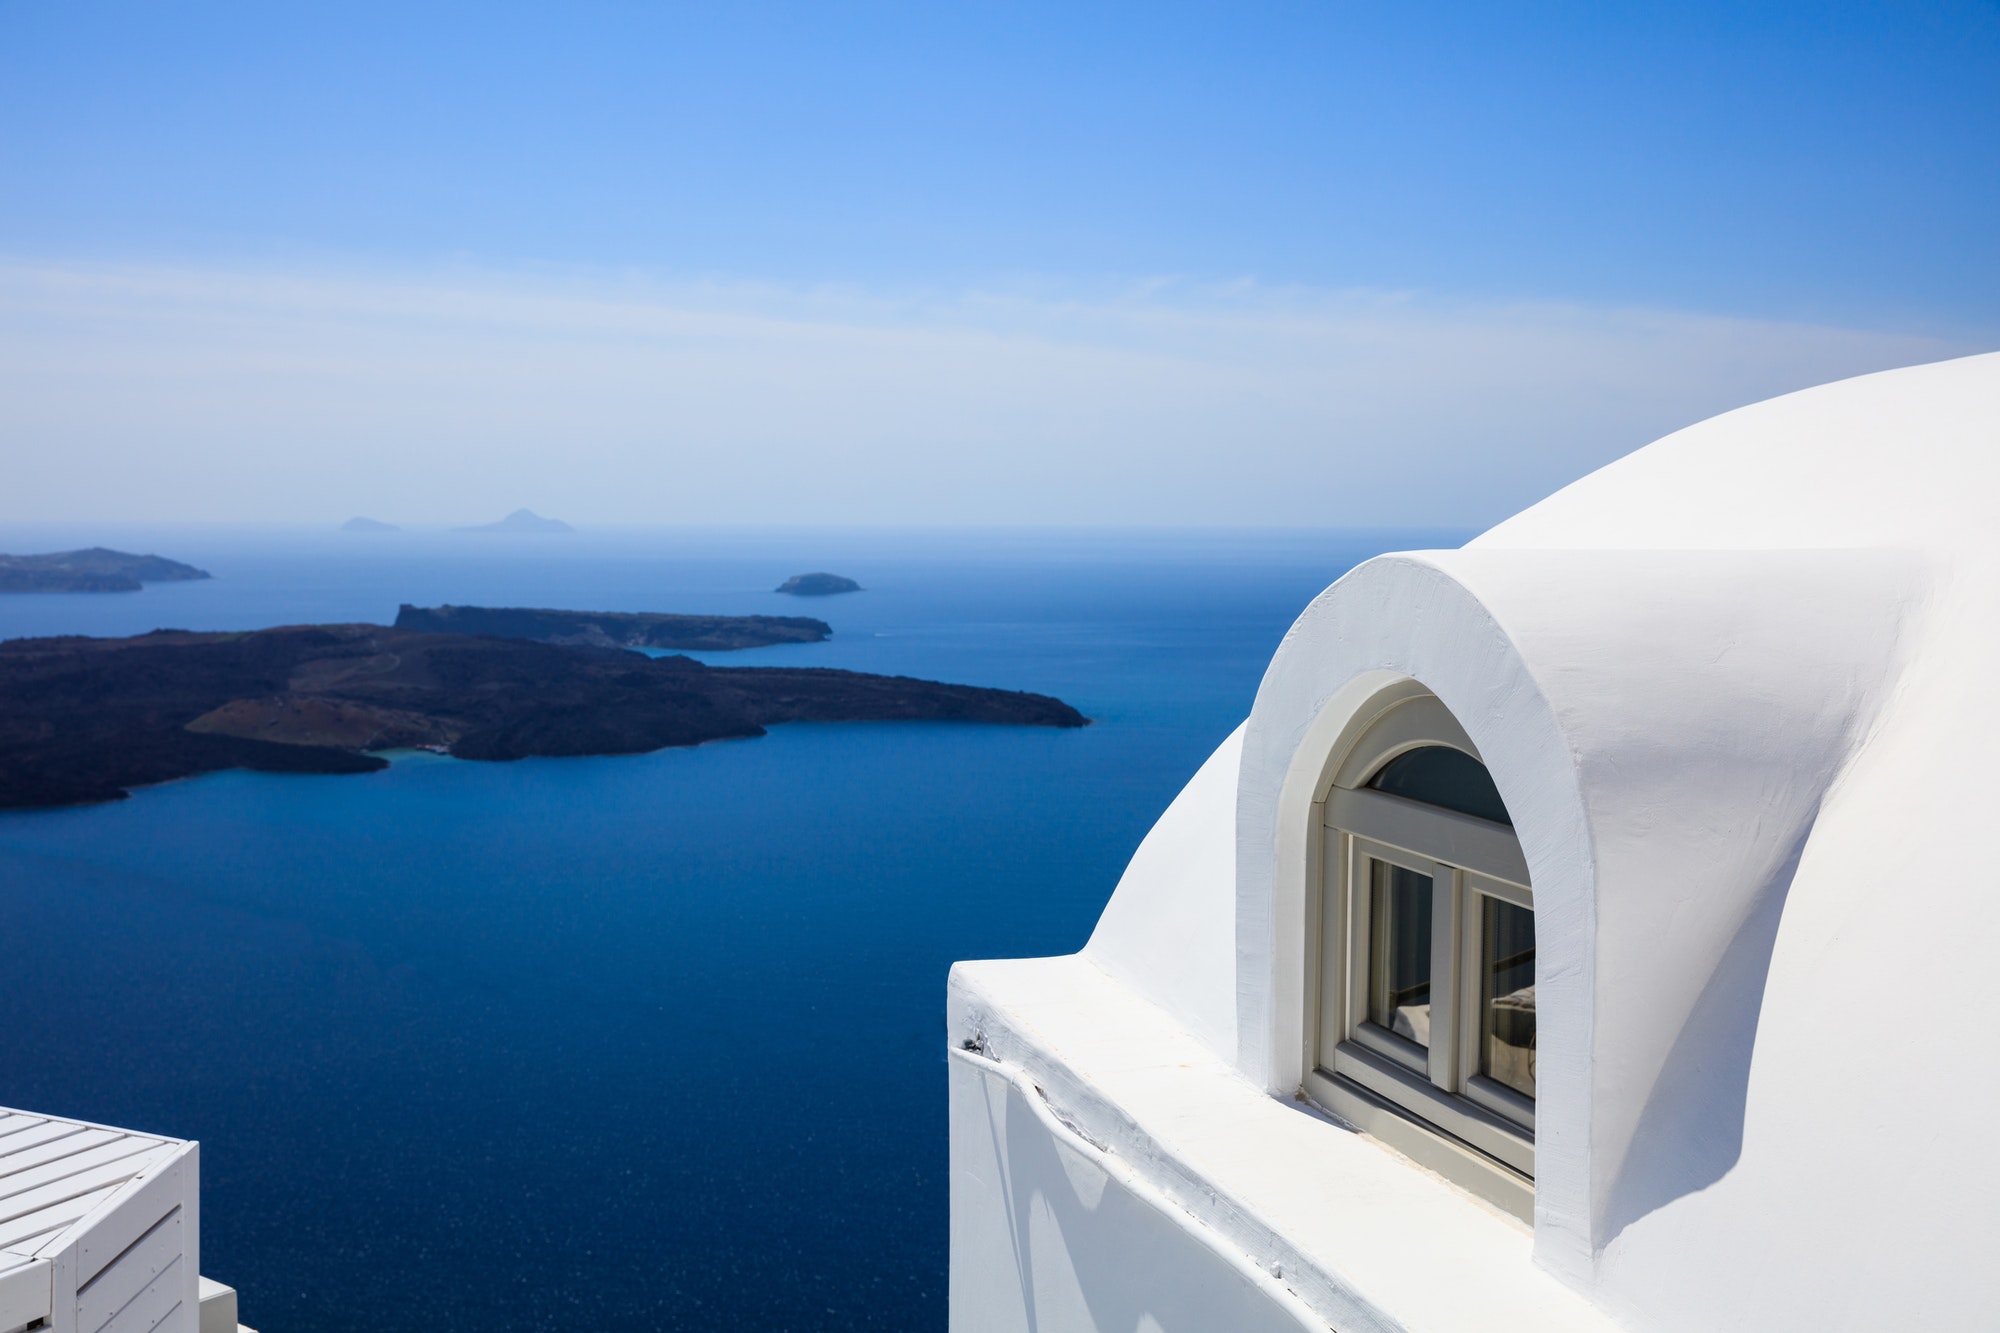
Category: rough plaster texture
[1736,691]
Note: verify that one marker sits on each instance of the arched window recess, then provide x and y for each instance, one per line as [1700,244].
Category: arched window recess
[1424,990]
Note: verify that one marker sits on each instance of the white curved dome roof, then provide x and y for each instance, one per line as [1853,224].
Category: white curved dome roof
[1904,457]
[1737,692]
[1737,689]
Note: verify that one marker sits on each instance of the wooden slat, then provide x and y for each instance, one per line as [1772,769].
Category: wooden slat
[37,1134]
[169,1320]
[190,1197]
[130,1273]
[56,1216]
[34,1117]
[25,1291]
[27,1245]
[14,1163]
[105,1234]
[118,1150]
[12,1122]
[154,1302]
[111,1173]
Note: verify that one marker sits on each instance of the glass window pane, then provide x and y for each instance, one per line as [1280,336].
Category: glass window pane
[1507,999]
[1447,778]
[1399,951]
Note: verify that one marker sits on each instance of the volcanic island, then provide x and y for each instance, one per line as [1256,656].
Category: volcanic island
[97,569]
[85,719]
[616,629]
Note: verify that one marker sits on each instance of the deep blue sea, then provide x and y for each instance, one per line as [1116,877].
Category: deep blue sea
[645,1042]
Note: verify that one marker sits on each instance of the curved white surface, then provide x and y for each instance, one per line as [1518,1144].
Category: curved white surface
[1737,692]
[1663,727]
[1906,458]
[1168,932]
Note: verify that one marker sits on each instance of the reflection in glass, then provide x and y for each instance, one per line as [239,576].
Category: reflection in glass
[1507,995]
[1447,778]
[1399,951]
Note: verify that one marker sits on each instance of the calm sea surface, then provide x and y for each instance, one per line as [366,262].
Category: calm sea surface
[648,1042]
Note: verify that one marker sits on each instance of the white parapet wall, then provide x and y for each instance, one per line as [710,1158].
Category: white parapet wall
[1109,1169]
[1049,1231]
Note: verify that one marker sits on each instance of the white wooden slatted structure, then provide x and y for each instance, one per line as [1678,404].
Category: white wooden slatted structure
[100,1228]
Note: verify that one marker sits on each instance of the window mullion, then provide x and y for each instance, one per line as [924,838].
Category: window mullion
[1471,981]
[1338,967]
[1446,932]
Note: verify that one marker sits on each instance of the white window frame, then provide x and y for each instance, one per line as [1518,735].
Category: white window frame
[1430,1103]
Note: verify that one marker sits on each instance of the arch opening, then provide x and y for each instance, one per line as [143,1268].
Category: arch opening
[1421,1025]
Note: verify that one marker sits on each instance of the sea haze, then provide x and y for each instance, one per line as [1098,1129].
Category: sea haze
[635,1042]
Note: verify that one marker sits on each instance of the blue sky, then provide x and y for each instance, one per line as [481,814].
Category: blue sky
[209,214]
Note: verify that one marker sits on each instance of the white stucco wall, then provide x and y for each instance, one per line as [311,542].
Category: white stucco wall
[1863,1183]
[1663,727]
[1736,691]
[1050,1234]
[1169,931]
[1731,689]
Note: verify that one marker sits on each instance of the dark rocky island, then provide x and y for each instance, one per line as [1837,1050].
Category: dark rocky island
[818,585]
[615,629]
[522,520]
[85,719]
[97,569]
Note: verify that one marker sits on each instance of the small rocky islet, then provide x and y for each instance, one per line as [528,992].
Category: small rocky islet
[522,521]
[820,584]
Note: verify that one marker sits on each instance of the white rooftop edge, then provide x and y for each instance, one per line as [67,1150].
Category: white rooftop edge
[1736,691]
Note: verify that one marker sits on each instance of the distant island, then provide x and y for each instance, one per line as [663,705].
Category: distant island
[97,569]
[86,719]
[360,524]
[615,629]
[522,520]
[817,585]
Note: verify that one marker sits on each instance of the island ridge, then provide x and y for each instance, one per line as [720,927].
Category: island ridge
[85,719]
[615,629]
[95,569]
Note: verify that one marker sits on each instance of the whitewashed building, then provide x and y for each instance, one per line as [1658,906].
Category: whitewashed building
[100,1232]
[1689,765]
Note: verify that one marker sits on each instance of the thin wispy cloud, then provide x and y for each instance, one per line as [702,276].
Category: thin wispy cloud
[150,393]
